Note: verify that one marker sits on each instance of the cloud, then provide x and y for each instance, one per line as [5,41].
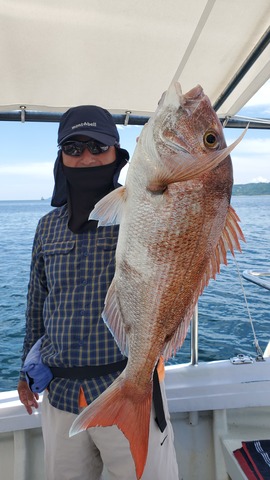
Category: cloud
[44,169]
[28,181]
[251,168]
[258,106]
[251,158]
[261,96]
[250,146]
[123,174]
[125,127]
[260,180]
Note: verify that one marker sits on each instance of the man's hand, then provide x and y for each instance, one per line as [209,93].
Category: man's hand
[27,397]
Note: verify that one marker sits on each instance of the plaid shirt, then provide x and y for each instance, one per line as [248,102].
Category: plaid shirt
[70,276]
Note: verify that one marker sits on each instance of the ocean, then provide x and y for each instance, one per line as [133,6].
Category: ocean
[224,325]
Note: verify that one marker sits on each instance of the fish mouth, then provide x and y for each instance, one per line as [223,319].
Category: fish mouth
[188,101]
[191,100]
[186,104]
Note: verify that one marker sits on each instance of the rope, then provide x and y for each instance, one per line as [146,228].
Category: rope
[256,342]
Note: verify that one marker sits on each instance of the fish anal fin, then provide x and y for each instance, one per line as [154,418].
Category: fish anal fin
[113,318]
[119,406]
[108,211]
[177,339]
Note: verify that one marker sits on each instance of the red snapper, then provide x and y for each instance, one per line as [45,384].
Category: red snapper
[176,225]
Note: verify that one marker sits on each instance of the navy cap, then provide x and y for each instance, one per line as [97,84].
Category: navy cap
[91,121]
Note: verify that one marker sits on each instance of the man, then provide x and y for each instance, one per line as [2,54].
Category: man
[72,266]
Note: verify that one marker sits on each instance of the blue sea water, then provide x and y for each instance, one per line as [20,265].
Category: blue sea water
[224,327]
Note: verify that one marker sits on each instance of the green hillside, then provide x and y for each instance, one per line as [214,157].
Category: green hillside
[252,189]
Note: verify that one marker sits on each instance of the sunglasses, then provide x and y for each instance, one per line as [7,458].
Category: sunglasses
[75,148]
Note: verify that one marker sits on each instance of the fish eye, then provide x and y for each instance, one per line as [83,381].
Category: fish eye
[210,140]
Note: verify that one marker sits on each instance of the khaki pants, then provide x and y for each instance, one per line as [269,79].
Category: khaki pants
[82,456]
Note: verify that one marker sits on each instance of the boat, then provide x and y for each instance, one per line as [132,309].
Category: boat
[123,55]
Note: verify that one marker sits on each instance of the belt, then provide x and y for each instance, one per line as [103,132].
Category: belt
[84,373]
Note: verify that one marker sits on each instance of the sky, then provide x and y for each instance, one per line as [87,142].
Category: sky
[28,151]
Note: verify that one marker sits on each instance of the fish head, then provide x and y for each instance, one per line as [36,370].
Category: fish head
[184,138]
[189,123]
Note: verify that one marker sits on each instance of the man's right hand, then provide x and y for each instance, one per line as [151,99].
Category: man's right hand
[27,397]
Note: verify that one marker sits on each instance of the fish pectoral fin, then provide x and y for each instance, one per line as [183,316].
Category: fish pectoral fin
[185,166]
[119,406]
[113,318]
[108,211]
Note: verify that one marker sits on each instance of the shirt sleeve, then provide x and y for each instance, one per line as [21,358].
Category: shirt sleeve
[37,293]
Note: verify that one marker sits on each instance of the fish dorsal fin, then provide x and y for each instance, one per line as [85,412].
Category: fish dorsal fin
[108,211]
[113,319]
[229,241]
[185,166]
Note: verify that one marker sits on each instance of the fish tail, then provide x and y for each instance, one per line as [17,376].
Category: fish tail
[119,405]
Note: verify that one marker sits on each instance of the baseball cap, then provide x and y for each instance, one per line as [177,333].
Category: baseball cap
[89,120]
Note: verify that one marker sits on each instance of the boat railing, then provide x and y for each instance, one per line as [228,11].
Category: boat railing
[254,276]
[194,344]
[258,277]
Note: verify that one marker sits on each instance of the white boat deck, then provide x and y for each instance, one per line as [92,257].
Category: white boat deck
[214,406]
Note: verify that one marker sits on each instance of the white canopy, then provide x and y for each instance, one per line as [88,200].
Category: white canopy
[122,54]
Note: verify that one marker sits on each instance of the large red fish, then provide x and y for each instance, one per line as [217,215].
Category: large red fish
[176,225]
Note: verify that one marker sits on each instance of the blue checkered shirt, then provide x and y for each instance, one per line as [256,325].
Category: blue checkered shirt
[70,276]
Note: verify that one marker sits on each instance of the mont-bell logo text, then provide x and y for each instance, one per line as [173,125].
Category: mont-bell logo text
[84,124]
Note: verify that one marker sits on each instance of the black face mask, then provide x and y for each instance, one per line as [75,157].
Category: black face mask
[85,187]
[59,195]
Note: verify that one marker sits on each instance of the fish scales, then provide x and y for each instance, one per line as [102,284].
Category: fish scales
[176,225]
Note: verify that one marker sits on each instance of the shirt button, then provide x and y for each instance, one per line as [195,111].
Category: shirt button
[82,312]
[84,282]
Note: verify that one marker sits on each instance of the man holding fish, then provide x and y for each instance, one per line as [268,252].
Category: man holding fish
[73,265]
[176,226]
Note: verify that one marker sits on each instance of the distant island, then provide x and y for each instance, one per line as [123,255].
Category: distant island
[245,189]
[252,189]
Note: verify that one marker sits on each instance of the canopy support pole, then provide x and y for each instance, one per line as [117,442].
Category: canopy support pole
[193,41]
